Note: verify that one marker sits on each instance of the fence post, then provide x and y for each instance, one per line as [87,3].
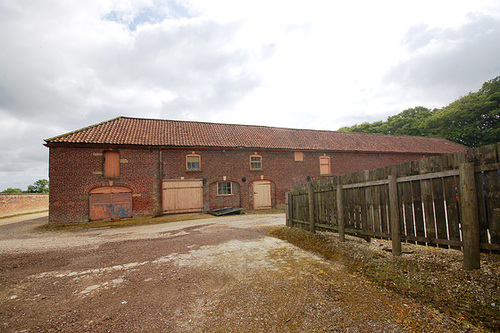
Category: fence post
[340,211]
[394,210]
[310,196]
[469,216]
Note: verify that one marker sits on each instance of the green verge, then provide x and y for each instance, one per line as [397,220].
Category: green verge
[125,222]
[147,220]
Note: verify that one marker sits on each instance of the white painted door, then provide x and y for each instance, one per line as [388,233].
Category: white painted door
[262,195]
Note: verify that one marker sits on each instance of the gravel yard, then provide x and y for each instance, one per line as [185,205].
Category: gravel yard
[207,275]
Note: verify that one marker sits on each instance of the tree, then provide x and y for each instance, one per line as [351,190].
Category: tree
[12,190]
[40,186]
[409,122]
[473,120]
[378,127]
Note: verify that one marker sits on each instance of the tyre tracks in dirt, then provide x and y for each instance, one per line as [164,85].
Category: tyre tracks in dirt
[213,275]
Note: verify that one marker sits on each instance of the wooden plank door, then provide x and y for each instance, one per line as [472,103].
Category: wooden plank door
[262,195]
[182,196]
[110,203]
[100,206]
[121,204]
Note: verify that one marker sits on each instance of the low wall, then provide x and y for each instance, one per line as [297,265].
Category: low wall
[22,203]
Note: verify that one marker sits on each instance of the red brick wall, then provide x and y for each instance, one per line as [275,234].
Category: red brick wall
[220,201]
[16,204]
[278,167]
[76,171]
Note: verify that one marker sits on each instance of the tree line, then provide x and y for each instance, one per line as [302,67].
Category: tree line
[40,186]
[473,120]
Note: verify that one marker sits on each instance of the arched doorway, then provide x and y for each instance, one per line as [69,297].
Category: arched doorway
[110,203]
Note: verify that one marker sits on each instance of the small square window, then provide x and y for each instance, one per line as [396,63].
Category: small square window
[298,156]
[224,188]
[193,162]
[255,162]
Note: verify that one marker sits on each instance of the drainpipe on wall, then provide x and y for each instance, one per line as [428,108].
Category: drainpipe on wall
[161,180]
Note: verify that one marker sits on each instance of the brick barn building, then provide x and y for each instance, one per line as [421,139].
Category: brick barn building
[128,167]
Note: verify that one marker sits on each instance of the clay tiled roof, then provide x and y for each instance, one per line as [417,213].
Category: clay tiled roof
[170,133]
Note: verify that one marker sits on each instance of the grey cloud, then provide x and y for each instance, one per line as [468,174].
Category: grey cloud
[62,70]
[47,71]
[195,62]
[24,159]
[449,62]
[178,57]
[218,94]
[419,36]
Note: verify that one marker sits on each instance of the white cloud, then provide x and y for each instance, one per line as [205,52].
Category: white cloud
[24,159]
[446,63]
[69,64]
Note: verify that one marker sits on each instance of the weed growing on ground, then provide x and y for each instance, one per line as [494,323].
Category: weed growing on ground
[432,276]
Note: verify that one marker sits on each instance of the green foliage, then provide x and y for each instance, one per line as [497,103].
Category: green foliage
[40,186]
[473,120]
[409,122]
[12,190]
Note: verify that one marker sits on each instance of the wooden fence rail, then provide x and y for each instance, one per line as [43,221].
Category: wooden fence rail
[450,201]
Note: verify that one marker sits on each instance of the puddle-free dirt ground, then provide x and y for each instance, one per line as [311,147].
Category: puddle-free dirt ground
[214,275]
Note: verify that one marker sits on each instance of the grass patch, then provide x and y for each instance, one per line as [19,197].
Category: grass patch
[145,221]
[125,222]
[264,211]
[431,276]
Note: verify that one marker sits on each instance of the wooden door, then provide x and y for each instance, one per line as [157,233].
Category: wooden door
[111,164]
[110,203]
[182,196]
[324,165]
[262,195]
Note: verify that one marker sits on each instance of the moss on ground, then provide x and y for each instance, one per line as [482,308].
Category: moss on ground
[145,221]
[125,222]
[429,275]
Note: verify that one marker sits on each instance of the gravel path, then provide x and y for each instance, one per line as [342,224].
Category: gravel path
[211,275]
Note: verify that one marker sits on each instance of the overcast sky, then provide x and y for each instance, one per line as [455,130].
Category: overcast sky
[312,64]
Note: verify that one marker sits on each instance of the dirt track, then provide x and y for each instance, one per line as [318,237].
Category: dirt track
[212,275]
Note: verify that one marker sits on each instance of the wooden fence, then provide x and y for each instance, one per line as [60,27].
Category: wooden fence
[450,201]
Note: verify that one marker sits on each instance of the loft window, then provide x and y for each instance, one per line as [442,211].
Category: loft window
[324,165]
[298,156]
[224,188]
[111,164]
[255,162]
[193,162]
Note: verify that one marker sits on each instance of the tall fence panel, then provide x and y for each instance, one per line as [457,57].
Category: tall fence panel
[426,201]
